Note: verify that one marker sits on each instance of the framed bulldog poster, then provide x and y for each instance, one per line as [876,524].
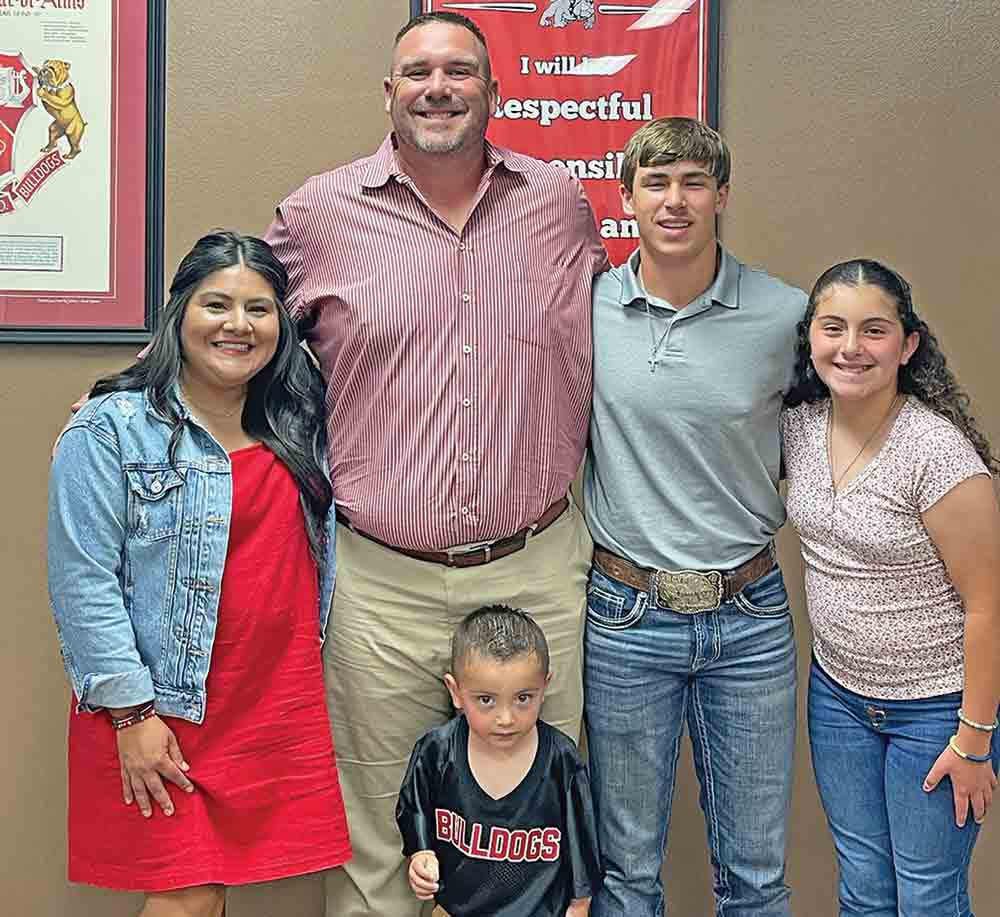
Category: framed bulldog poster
[81,168]
[578,77]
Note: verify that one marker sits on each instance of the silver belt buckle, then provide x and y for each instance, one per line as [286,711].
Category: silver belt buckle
[688,591]
[485,547]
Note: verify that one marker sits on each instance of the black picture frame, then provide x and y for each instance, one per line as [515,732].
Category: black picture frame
[156,36]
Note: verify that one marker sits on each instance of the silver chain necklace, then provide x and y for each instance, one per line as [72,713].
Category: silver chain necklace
[654,343]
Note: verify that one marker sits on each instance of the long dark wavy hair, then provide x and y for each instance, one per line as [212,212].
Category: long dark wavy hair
[925,376]
[284,407]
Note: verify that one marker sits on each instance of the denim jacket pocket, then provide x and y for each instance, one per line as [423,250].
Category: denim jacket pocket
[764,598]
[611,605]
[154,502]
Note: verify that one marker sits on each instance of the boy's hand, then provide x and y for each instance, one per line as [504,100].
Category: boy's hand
[579,907]
[424,875]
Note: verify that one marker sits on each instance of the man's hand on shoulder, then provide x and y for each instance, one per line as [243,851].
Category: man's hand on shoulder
[73,408]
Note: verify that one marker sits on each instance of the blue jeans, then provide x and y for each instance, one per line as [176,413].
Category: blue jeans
[899,849]
[730,674]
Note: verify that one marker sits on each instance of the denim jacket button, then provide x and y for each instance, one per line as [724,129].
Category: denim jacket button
[156,486]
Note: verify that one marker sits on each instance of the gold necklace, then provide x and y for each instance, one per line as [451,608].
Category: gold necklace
[864,445]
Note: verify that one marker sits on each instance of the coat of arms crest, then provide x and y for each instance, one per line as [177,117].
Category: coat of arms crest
[17,98]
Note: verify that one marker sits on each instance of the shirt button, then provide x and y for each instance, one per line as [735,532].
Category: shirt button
[465,456]
[466,297]
[462,246]
[466,402]
[465,511]
[466,348]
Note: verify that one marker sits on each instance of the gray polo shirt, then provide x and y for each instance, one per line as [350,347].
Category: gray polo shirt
[683,464]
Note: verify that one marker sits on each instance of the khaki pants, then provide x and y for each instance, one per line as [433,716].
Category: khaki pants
[387,647]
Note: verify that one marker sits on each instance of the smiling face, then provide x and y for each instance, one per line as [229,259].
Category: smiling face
[675,207]
[501,700]
[229,332]
[857,342]
[440,94]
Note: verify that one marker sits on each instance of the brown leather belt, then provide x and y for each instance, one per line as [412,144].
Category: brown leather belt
[473,557]
[686,591]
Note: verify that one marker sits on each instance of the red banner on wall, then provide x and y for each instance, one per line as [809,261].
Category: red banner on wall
[578,77]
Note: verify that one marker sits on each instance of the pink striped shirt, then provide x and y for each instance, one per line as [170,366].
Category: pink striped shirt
[458,366]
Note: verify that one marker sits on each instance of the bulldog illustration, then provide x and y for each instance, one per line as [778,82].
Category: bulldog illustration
[57,95]
[561,13]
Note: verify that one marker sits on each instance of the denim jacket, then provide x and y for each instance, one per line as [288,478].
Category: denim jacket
[136,553]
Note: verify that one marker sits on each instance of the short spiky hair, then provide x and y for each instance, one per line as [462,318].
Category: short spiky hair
[457,19]
[498,632]
[668,140]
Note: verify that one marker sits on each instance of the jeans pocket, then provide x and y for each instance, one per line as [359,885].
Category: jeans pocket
[765,597]
[611,604]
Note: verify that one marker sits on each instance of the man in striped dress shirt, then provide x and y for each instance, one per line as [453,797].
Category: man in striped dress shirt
[445,284]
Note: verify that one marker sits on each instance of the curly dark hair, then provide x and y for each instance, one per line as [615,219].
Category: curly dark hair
[925,376]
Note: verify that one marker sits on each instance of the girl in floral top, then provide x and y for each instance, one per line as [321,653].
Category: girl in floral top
[890,488]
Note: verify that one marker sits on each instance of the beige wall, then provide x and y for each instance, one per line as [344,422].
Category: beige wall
[857,128]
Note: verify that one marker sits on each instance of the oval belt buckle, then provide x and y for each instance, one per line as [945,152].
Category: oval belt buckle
[689,591]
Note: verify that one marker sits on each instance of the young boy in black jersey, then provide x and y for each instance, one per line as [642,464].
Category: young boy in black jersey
[495,809]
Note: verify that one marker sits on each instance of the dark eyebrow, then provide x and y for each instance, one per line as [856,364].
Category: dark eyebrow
[218,294]
[829,316]
[408,62]
[698,173]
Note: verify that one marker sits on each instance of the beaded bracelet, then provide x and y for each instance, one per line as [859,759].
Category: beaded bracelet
[978,759]
[982,727]
[145,712]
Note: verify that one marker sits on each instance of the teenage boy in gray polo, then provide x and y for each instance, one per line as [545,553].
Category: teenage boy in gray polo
[687,612]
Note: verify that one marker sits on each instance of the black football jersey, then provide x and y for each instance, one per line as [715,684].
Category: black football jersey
[528,854]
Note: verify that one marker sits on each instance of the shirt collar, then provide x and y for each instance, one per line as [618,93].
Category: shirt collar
[383,165]
[725,289]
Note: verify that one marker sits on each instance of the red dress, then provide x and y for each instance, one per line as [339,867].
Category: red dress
[267,800]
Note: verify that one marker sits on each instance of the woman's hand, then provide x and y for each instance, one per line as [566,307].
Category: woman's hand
[424,874]
[972,784]
[147,753]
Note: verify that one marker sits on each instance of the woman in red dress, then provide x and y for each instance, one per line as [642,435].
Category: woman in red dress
[191,564]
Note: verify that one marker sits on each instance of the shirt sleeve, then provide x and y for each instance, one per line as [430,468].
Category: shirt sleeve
[944,458]
[417,795]
[580,840]
[287,250]
[597,255]
[86,536]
